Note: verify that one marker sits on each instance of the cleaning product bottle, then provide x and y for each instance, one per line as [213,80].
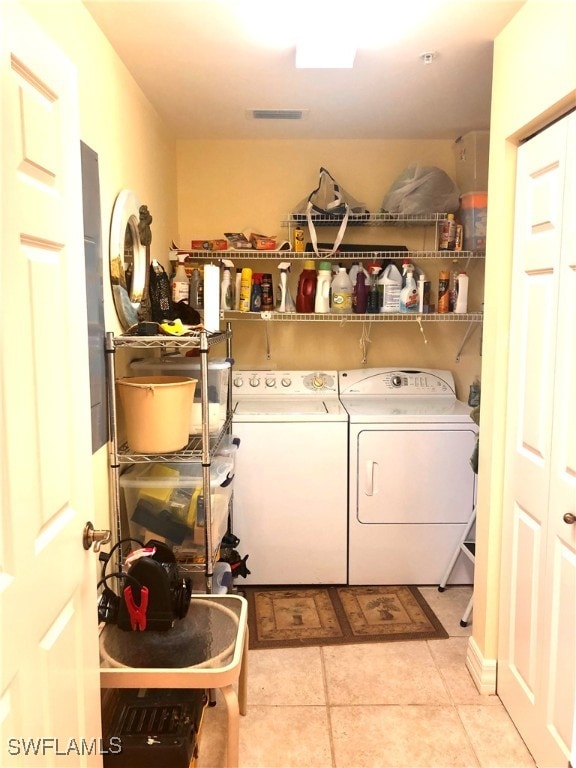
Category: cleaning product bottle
[245,289]
[306,288]
[180,283]
[354,270]
[342,293]
[390,285]
[323,283]
[461,305]
[226,287]
[423,294]
[443,292]
[285,302]
[298,240]
[409,294]
[195,280]
[373,304]
[360,297]
[267,293]
[256,294]
[447,240]
[237,284]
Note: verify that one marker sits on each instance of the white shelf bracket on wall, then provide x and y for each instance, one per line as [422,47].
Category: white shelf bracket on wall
[469,331]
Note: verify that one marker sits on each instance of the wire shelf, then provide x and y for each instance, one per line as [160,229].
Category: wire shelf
[340,255]
[365,219]
[191,453]
[390,317]
[191,340]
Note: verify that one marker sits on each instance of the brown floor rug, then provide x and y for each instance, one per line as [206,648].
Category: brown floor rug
[291,617]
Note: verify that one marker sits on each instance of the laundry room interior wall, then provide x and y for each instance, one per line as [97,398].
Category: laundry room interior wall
[231,186]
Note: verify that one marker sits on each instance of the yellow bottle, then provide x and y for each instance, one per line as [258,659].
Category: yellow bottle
[245,289]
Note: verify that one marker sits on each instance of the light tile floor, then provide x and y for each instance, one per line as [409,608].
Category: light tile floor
[377,705]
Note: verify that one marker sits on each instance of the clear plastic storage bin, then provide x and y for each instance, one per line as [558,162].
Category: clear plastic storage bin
[179,365]
[166,502]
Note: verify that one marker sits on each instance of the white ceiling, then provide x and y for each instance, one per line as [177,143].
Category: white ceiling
[204,63]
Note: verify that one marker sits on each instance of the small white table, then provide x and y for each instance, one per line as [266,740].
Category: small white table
[207,649]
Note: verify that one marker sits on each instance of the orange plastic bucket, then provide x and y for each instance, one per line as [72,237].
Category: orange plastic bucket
[156,411]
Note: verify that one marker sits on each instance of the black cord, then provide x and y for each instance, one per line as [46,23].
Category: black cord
[103,577]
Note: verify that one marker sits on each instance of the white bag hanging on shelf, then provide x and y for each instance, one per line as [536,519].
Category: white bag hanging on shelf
[328,202]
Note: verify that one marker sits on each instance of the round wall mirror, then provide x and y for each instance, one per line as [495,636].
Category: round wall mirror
[129,236]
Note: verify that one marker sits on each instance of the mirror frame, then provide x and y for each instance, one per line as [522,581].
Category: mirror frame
[126,216]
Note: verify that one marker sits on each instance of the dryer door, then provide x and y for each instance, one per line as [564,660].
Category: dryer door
[415,474]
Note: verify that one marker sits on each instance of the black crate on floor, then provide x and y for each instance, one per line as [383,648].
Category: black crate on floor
[152,728]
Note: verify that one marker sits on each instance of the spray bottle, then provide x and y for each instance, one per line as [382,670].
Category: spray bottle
[226,287]
[285,301]
[409,294]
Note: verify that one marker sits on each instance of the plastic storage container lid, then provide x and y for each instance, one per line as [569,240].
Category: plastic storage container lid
[180,475]
[178,362]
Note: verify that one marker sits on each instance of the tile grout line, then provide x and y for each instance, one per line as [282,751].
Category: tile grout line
[327,705]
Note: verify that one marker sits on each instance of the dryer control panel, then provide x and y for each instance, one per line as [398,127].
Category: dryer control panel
[373,382]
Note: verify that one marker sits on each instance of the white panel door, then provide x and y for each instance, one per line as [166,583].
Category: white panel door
[49,680]
[536,659]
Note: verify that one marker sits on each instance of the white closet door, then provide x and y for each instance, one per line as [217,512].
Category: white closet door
[49,672]
[536,660]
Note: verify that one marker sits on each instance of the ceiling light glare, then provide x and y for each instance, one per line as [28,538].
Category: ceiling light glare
[315,56]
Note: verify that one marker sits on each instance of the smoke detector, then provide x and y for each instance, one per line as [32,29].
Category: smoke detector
[428,57]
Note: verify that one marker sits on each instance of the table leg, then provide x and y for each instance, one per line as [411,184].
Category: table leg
[232,749]
[243,679]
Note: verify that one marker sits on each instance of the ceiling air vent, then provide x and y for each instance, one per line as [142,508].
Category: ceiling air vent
[276,114]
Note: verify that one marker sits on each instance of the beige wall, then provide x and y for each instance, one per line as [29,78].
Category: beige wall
[534,81]
[228,186]
[134,150]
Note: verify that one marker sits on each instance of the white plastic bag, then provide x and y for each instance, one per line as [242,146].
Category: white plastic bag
[421,190]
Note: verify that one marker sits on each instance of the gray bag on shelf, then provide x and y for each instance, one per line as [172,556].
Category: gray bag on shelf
[422,190]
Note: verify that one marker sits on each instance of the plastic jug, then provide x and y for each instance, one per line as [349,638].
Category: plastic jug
[323,282]
[306,294]
[342,293]
[390,285]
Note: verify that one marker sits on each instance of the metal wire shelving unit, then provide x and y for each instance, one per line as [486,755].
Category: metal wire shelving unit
[199,449]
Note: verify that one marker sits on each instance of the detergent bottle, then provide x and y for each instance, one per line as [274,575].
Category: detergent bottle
[226,287]
[306,293]
[390,285]
[323,282]
[256,293]
[409,294]
[342,293]
[285,300]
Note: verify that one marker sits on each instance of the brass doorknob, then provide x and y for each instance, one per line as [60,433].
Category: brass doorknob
[91,536]
[569,518]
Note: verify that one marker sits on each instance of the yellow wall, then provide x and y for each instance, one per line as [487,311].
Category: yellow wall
[226,186]
[534,81]
[134,149]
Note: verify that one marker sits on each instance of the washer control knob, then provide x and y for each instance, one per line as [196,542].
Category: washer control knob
[270,381]
[238,381]
[286,381]
[396,381]
[254,381]
[318,382]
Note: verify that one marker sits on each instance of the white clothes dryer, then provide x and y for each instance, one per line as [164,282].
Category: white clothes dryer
[291,481]
[412,487]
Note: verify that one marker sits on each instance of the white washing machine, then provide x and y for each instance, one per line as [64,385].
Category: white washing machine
[412,488]
[291,481]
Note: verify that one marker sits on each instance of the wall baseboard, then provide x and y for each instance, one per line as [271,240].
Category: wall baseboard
[483,670]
